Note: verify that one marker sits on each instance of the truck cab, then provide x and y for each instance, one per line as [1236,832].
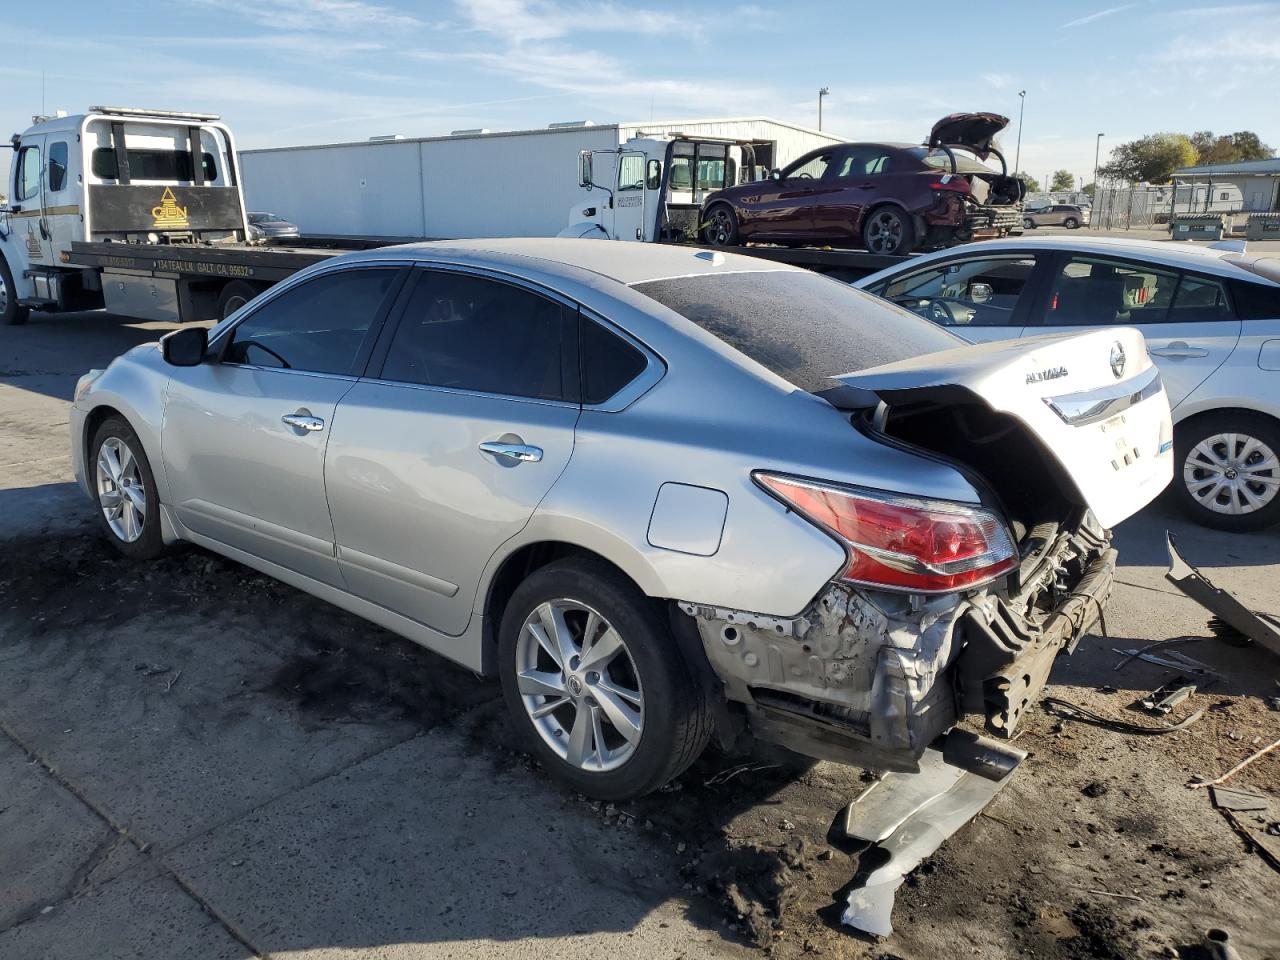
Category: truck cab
[652,187]
[115,174]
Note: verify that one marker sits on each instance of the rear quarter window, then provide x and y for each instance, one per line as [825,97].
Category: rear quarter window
[802,326]
[1255,301]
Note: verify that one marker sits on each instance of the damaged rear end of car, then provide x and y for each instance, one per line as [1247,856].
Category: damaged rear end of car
[981,203]
[951,611]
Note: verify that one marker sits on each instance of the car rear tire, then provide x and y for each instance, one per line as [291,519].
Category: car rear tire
[125,490]
[720,229]
[11,314]
[888,231]
[1028,223]
[1071,223]
[597,684]
[234,296]
[1227,470]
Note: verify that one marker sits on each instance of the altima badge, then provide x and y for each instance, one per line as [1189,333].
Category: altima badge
[1117,359]
[1039,376]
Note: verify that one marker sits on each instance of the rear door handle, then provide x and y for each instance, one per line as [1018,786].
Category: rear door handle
[512,452]
[1179,350]
[302,421]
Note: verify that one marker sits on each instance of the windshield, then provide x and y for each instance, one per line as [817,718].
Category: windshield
[803,326]
[965,163]
[265,218]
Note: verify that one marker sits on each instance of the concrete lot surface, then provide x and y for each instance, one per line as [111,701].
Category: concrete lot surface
[198,762]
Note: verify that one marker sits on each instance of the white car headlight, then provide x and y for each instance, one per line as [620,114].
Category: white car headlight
[85,382]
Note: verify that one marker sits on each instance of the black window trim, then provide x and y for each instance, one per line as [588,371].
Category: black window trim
[654,370]
[376,361]
[222,343]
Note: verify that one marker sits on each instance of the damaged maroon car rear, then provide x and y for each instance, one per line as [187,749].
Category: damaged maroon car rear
[891,198]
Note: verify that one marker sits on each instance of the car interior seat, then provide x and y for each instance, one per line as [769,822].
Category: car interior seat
[1087,301]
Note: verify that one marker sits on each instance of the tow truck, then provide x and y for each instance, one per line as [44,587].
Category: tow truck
[142,212]
[136,210]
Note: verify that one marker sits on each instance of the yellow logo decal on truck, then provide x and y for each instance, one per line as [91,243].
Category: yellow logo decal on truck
[169,214]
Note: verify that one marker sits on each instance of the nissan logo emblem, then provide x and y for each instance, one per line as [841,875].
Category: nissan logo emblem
[1117,360]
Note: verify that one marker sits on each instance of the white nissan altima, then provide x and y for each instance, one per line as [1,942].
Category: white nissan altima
[1210,316]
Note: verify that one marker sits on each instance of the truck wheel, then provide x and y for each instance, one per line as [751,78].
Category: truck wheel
[597,684]
[1227,470]
[234,296]
[720,228]
[11,315]
[888,231]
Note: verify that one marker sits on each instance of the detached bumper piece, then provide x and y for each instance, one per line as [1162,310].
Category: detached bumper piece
[1009,654]
[1217,601]
[988,220]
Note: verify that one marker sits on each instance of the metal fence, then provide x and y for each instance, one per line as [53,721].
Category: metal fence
[1126,208]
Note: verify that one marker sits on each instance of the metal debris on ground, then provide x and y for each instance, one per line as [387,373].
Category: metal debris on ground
[1072,711]
[1229,798]
[724,776]
[1168,695]
[1223,605]
[937,801]
[1173,660]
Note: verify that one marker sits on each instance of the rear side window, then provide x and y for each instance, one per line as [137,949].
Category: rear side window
[802,326]
[57,166]
[1255,301]
[318,326]
[609,363]
[1200,299]
[473,333]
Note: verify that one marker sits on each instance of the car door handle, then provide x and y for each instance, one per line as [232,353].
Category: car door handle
[302,421]
[1178,350]
[513,452]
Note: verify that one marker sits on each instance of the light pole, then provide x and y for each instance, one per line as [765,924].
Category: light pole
[824,92]
[1097,146]
[1017,155]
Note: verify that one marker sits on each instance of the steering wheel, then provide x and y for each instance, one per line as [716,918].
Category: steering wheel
[804,176]
[940,312]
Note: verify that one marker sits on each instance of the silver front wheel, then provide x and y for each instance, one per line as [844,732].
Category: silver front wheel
[122,495]
[579,684]
[1232,473]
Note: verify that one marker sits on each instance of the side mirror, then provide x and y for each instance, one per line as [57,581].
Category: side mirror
[185,347]
[584,169]
[980,292]
[775,174]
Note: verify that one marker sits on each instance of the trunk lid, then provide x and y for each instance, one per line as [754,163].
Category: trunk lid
[1092,403]
[974,131]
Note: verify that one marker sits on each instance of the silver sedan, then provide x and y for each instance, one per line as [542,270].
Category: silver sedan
[662,494]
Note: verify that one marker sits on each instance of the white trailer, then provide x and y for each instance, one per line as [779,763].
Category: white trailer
[472,183]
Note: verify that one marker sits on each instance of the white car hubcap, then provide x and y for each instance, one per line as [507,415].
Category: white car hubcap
[121,493]
[1232,473]
[579,685]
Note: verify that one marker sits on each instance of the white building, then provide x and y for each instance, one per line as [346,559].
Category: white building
[472,183]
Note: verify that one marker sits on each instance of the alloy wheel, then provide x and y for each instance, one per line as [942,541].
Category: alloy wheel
[721,227]
[579,685]
[884,234]
[121,492]
[1232,473]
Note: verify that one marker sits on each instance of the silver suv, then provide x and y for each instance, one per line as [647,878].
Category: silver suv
[1056,215]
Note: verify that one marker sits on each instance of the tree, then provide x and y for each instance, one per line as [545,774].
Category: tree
[1089,189]
[1151,158]
[1030,182]
[1244,145]
[1062,180]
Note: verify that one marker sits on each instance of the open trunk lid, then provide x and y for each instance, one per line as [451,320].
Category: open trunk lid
[974,131]
[1092,403]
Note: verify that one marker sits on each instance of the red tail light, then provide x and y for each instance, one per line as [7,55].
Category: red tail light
[952,183]
[903,543]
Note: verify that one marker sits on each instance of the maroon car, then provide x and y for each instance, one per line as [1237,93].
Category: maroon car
[890,198]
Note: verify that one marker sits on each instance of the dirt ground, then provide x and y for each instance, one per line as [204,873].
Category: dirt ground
[1096,849]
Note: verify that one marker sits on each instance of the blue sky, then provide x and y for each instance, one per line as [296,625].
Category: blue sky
[314,71]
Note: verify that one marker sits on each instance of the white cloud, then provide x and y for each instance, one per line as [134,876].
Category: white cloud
[324,15]
[531,21]
[998,80]
[1090,18]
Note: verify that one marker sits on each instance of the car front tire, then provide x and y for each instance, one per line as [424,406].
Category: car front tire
[125,490]
[1227,470]
[1071,223]
[596,682]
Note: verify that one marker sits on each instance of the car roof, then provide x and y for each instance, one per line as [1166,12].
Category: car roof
[625,261]
[1228,262]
